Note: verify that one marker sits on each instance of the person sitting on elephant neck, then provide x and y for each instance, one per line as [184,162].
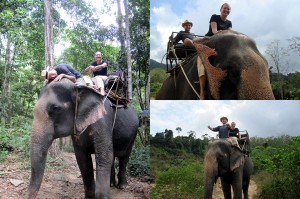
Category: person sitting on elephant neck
[233,131]
[234,134]
[185,36]
[99,69]
[62,71]
[217,24]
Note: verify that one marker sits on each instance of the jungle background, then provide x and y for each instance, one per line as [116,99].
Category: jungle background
[285,85]
[177,165]
[78,30]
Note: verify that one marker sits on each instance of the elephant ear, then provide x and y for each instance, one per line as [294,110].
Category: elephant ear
[237,159]
[214,75]
[90,107]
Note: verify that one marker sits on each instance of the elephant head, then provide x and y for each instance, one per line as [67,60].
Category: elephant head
[247,75]
[225,161]
[235,69]
[62,109]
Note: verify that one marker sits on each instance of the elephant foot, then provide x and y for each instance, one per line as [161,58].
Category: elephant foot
[122,185]
[89,197]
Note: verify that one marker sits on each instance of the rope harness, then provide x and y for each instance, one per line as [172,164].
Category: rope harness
[184,73]
[76,135]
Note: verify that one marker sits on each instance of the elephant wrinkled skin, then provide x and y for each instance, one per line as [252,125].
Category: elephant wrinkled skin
[54,118]
[229,163]
[235,69]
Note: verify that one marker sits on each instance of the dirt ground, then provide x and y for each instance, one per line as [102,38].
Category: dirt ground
[62,183]
[218,193]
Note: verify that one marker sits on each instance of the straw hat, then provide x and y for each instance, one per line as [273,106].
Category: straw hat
[223,118]
[44,73]
[186,22]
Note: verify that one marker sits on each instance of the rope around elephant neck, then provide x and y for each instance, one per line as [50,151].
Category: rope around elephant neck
[173,50]
[110,90]
[76,135]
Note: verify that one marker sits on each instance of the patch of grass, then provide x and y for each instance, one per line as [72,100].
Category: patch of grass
[183,181]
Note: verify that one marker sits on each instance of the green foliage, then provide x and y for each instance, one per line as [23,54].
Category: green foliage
[15,139]
[139,162]
[158,76]
[189,143]
[184,181]
[290,85]
[280,159]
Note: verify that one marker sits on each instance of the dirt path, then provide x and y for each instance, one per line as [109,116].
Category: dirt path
[62,183]
[218,193]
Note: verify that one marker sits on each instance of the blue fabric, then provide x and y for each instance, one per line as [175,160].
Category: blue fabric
[68,70]
[223,131]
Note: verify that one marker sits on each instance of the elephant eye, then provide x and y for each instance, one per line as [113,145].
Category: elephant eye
[53,108]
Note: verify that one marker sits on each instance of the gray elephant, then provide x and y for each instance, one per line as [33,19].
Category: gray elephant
[65,109]
[235,69]
[229,163]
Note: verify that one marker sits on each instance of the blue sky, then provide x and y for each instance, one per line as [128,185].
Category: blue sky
[259,118]
[263,20]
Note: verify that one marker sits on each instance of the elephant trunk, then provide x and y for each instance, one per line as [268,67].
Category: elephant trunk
[211,171]
[40,143]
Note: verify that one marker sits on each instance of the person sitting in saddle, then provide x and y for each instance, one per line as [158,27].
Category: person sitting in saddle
[224,130]
[185,36]
[62,71]
[99,70]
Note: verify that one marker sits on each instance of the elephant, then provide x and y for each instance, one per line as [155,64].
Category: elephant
[96,126]
[234,68]
[231,165]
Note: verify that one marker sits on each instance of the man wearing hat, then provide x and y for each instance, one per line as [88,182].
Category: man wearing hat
[223,130]
[61,71]
[185,36]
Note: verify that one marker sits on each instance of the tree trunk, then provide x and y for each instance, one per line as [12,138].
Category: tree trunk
[49,44]
[49,58]
[128,51]
[122,60]
[6,84]
[147,91]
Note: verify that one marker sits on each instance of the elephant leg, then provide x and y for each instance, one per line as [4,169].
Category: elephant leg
[113,174]
[104,160]
[84,161]
[122,181]
[226,188]
[245,187]
[237,184]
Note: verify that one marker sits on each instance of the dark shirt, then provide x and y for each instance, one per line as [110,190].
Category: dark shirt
[102,71]
[221,25]
[223,131]
[182,35]
[67,70]
[234,132]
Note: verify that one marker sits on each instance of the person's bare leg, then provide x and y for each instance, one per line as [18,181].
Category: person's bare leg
[188,42]
[202,80]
